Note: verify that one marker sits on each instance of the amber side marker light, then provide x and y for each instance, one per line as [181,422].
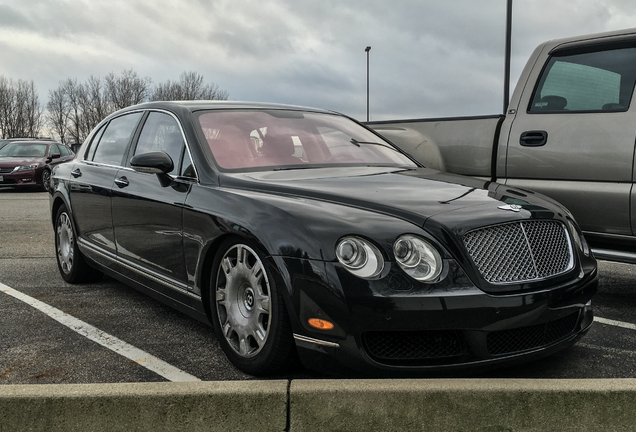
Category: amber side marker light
[320,324]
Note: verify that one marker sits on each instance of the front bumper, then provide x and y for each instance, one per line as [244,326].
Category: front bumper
[21,178]
[392,331]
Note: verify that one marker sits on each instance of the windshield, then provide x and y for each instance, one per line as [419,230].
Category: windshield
[244,139]
[23,150]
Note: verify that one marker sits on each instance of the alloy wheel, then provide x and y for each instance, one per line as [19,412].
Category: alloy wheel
[65,243]
[243,300]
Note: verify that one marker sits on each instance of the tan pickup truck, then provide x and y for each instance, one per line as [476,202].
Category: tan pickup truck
[569,133]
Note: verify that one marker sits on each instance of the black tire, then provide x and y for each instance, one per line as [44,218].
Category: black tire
[248,311]
[70,261]
[46,180]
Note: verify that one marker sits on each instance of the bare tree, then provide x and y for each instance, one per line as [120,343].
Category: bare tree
[127,89]
[191,86]
[57,113]
[20,110]
[75,108]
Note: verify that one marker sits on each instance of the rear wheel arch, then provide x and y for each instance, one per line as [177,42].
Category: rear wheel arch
[57,203]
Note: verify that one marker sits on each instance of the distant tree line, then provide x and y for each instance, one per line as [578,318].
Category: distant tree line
[75,107]
[20,110]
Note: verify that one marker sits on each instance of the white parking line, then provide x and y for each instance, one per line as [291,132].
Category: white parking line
[141,357]
[615,323]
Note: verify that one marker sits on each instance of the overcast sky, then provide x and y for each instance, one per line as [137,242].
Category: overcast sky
[429,58]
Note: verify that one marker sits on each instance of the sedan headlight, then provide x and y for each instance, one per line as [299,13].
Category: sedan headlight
[359,257]
[27,167]
[418,258]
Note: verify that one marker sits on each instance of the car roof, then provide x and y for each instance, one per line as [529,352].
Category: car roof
[200,105]
[32,141]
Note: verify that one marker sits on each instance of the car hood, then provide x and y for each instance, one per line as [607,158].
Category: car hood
[414,195]
[8,162]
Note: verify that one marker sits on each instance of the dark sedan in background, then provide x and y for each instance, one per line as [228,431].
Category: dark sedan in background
[297,231]
[28,163]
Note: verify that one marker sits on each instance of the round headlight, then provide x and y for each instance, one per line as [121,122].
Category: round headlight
[418,258]
[359,257]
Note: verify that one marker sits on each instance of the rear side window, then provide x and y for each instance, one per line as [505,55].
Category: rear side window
[586,82]
[113,143]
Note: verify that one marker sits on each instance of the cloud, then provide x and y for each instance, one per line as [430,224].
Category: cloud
[433,58]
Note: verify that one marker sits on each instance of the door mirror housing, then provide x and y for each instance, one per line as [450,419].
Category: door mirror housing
[152,163]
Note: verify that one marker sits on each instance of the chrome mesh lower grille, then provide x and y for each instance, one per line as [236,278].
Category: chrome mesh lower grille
[520,251]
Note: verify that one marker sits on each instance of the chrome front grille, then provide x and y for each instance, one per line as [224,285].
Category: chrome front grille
[6,170]
[520,251]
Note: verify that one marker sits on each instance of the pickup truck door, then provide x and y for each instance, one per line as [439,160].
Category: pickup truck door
[572,138]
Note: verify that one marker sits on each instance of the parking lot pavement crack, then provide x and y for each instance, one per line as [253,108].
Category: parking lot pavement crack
[288,423]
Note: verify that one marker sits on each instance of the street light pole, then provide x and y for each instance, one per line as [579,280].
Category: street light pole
[367,49]
[506,96]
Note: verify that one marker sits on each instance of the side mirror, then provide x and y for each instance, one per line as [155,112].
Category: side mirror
[54,156]
[152,163]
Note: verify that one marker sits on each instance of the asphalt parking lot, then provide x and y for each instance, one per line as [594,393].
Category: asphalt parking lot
[37,349]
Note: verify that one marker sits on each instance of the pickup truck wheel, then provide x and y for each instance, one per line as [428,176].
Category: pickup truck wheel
[249,315]
[70,260]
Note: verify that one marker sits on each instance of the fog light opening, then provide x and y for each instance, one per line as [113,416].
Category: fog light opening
[320,324]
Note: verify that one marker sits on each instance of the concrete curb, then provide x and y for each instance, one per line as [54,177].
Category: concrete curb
[485,405]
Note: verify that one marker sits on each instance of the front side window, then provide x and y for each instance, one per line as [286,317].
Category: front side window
[113,143]
[64,151]
[247,139]
[586,82]
[161,132]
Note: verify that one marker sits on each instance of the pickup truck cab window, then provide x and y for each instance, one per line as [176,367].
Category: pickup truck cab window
[595,81]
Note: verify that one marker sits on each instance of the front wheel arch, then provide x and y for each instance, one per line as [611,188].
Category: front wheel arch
[230,275]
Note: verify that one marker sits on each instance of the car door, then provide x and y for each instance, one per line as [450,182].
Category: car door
[573,137]
[148,215]
[90,186]
[62,151]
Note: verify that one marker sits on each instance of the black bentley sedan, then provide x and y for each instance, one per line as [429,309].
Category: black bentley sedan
[300,232]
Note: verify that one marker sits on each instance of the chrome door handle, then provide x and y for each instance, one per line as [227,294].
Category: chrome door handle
[122,182]
[76,173]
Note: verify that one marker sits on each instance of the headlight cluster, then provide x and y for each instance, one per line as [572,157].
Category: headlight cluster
[27,167]
[417,257]
[360,257]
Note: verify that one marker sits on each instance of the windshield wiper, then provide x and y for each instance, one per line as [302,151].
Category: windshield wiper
[295,167]
[356,142]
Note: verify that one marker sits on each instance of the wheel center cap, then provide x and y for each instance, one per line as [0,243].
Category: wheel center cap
[249,299]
